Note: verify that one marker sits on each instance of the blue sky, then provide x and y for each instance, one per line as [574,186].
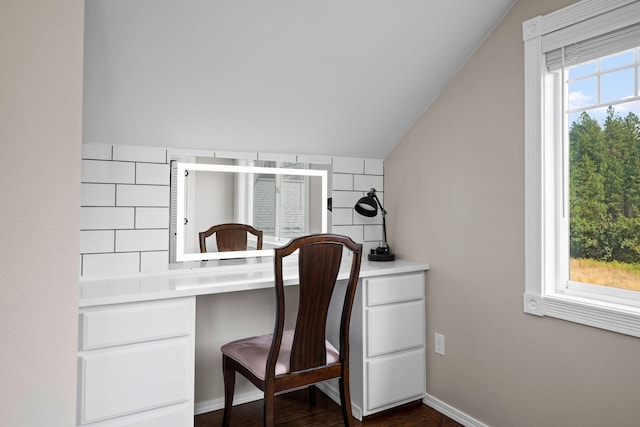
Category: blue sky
[617,82]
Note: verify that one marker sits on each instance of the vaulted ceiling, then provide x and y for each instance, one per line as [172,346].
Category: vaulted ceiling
[346,78]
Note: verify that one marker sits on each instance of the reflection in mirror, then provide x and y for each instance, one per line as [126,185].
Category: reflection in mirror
[282,202]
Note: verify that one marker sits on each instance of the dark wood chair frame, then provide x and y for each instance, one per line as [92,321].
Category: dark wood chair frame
[230,237]
[319,261]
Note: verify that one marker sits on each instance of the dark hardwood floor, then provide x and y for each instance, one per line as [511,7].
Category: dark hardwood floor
[292,409]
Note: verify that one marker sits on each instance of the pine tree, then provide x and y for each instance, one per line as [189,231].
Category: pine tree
[604,188]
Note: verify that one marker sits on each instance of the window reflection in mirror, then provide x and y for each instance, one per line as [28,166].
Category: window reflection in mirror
[282,200]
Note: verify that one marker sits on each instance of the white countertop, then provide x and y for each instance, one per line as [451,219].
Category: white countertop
[227,276]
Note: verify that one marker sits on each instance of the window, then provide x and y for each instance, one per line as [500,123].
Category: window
[581,71]
[279,202]
[602,110]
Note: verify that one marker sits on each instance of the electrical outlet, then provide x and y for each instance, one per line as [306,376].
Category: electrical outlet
[439,347]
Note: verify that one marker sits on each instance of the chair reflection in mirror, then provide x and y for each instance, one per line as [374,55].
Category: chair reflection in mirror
[288,359]
[230,237]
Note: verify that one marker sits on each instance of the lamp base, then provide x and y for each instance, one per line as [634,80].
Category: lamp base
[381,254]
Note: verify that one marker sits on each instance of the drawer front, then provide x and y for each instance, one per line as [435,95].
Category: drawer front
[133,379]
[395,327]
[137,322]
[395,288]
[395,379]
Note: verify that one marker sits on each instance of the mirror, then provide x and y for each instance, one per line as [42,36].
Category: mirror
[282,202]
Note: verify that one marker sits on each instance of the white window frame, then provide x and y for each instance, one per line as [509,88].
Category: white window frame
[544,158]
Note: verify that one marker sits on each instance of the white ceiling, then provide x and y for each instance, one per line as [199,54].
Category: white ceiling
[336,77]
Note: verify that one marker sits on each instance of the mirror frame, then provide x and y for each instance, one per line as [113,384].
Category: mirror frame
[180,200]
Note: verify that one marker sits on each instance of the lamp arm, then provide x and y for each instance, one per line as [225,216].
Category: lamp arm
[378,202]
[384,219]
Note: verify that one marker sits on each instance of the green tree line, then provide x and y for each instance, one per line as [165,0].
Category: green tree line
[604,188]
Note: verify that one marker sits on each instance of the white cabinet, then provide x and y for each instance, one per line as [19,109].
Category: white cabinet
[136,364]
[136,346]
[387,343]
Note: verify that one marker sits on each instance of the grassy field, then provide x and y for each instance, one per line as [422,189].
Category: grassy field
[616,274]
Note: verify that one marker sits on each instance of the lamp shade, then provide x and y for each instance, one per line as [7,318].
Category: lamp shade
[367,206]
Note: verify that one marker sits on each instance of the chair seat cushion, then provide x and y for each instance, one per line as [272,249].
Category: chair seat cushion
[253,352]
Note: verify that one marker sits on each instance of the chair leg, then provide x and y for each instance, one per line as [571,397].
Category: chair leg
[267,415]
[229,377]
[345,401]
[312,394]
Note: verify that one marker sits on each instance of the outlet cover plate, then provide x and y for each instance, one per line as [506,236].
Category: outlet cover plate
[439,343]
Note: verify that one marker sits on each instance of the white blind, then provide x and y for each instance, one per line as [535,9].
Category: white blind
[594,47]
[174,220]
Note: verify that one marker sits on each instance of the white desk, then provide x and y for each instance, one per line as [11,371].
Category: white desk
[137,340]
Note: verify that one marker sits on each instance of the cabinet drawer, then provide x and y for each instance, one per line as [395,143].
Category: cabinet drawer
[395,379]
[133,379]
[395,288]
[395,327]
[136,322]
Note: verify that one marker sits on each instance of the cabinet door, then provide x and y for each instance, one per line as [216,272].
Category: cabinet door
[395,327]
[396,378]
[133,379]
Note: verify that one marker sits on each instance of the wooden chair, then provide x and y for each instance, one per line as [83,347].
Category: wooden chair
[230,237]
[291,359]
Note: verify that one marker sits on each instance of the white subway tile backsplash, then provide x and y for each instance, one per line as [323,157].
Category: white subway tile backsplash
[236,155]
[97,241]
[367,182]
[291,158]
[348,165]
[101,171]
[100,265]
[153,262]
[142,240]
[132,153]
[153,173]
[366,220]
[142,195]
[353,231]
[373,167]
[152,218]
[342,216]
[342,181]
[317,159]
[96,151]
[126,196]
[98,195]
[373,233]
[345,199]
[94,218]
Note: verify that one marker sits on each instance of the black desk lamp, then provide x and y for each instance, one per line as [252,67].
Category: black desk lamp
[368,206]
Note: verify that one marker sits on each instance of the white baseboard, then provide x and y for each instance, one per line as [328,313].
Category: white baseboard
[334,395]
[452,412]
[216,404]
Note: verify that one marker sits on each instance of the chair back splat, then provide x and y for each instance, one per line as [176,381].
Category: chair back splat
[290,359]
[318,271]
[230,237]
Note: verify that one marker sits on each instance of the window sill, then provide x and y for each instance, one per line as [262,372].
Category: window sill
[610,316]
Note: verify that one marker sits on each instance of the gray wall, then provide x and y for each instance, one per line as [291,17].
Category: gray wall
[40,132]
[455,195]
